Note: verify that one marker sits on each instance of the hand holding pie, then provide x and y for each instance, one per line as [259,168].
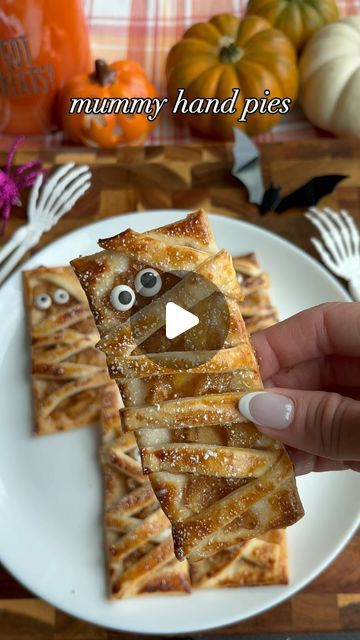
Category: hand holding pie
[310,365]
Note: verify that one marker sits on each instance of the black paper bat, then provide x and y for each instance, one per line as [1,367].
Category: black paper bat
[307,195]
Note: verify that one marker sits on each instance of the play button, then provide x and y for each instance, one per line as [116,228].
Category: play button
[178,320]
[183,324]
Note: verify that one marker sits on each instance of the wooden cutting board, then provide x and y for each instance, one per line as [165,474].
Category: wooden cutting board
[188,177]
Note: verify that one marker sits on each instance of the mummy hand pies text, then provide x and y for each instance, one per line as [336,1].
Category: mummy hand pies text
[219,481]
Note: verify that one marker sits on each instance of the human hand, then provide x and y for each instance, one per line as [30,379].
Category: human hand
[310,365]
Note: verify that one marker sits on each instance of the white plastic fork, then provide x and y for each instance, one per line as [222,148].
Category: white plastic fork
[340,246]
[45,208]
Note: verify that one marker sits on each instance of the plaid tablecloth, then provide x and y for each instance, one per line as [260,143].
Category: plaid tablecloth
[144,31]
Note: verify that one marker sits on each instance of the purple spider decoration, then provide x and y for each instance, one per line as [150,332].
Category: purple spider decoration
[22,177]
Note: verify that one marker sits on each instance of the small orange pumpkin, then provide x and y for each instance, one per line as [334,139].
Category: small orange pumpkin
[121,79]
[215,57]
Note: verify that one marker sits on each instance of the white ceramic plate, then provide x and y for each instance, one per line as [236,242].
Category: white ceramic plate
[50,487]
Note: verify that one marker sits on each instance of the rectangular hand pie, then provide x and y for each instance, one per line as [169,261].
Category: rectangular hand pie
[67,370]
[139,546]
[218,479]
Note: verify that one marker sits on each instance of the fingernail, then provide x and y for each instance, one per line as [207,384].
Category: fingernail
[267,409]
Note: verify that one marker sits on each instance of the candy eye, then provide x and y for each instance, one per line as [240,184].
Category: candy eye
[43,301]
[61,296]
[148,282]
[122,297]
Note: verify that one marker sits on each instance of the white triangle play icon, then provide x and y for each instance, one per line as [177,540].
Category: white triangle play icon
[178,320]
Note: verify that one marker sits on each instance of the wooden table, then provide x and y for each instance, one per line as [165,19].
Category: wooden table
[187,177]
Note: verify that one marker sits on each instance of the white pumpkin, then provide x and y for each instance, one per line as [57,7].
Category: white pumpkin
[330,78]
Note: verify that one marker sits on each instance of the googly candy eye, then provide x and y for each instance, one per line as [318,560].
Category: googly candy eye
[122,297]
[61,296]
[43,301]
[148,282]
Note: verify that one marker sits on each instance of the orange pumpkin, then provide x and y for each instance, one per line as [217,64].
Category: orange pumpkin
[214,57]
[298,19]
[42,45]
[122,79]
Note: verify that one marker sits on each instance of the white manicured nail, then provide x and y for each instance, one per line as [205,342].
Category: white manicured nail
[267,409]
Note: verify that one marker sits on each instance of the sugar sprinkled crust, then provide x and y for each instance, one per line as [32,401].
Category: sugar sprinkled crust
[67,371]
[140,557]
[213,511]
[263,560]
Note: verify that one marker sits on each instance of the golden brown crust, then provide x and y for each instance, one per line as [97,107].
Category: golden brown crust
[193,236]
[139,548]
[256,308]
[194,230]
[263,560]
[260,561]
[210,507]
[67,371]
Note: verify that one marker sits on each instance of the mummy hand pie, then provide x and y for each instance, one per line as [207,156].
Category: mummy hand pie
[67,370]
[217,478]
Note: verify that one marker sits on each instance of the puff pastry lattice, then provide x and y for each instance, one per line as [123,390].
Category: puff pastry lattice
[260,561]
[263,560]
[139,549]
[67,371]
[256,308]
[219,480]
[139,546]
[127,496]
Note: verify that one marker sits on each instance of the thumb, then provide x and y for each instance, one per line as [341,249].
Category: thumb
[320,423]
